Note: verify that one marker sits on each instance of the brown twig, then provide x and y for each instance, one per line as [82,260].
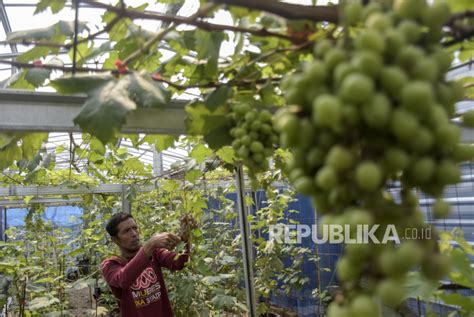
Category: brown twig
[132,14]
[160,35]
[288,10]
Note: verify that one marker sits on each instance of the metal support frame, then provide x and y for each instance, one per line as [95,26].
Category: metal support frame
[7,27]
[49,112]
[14,190]
[247,250]
[157,162]
[126,204]
[2,223]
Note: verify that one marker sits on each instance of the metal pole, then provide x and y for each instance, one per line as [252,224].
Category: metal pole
[246,242]
[126,204]
[157,162]
[2,228]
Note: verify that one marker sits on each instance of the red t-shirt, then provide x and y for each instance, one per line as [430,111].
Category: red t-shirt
[138,283]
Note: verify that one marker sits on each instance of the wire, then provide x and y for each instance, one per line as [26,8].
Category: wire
[76,30]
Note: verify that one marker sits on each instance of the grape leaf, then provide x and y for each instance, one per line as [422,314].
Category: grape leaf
[200,152]
[105,111]
[461,272]
[37,76]
[145,92]
[62,27]
[465,302]
[54,5]
[81,83]
[218,97]
[226,154]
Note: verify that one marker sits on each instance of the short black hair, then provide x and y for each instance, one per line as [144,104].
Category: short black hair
[112,224]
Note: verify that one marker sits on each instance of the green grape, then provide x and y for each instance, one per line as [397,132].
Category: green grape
[295,173]
[411,253]
[358,252]
[403,124]
[390,292]
[265,116]
[408,57]
[350,114]
[436,15]
[266,128]
[339,158]
[437,116]
[411,9]
[367,62]
[321,47]
[394,42]
[467,118]
[364,306]
[370,40]
[256,147]
[304,185]
[422,170]
[346,270]
[315,157]
[395,159]
[335,310]
[242,109]
[341,71]
[326,178]
[316,72]
[391,264]
[463,152]
[410,30]
[256,125]
[393,78]
[448,172]
[423,141]
[377,112]
[356,88]
[435,267]
[447,136]
[352,13]
[250,116]
[441,209]
[243,152]
[443,60]
[426,69]
[333,57]
[371,8]
[378,21]
[327,111]
[357,216]
[368,176]
[313,93]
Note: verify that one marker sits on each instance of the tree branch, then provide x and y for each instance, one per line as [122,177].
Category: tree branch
[162,33]
[132,14]
[288,10]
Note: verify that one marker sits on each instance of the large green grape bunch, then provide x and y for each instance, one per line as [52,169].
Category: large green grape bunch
[374,108]
[254,136]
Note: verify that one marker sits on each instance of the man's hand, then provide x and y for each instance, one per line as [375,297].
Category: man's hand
[165,240]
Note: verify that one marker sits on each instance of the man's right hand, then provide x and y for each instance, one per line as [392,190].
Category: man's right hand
[165,240]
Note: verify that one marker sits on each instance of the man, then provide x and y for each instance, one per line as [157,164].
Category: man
[135,276]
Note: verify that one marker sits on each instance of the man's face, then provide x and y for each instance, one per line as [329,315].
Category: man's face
[128,237]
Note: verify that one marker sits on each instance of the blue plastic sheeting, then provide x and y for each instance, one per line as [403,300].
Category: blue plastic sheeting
[61,216]
[300,301]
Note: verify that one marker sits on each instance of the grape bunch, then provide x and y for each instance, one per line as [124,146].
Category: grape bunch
[370,109]
[254,137]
